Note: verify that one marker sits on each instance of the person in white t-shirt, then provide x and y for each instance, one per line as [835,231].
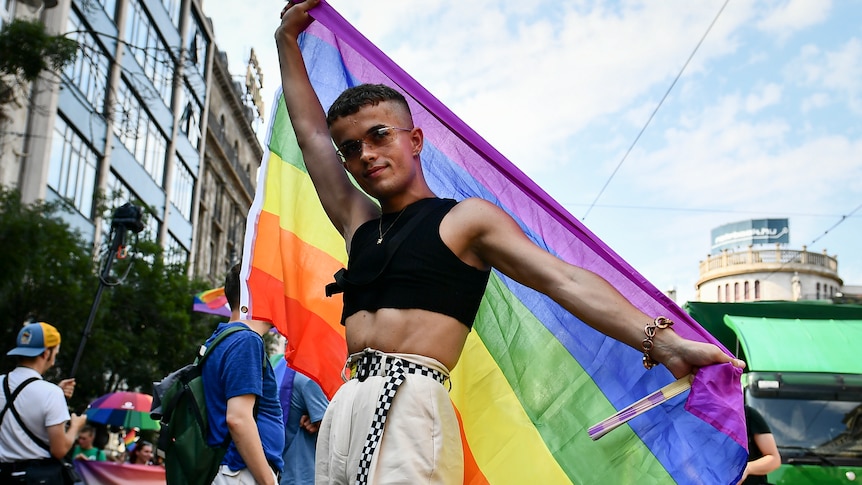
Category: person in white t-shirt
[34,436]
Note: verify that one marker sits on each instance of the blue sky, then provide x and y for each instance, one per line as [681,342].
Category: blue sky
[765,121]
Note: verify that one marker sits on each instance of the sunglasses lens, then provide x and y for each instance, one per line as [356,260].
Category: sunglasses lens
[350,149]
[380,137]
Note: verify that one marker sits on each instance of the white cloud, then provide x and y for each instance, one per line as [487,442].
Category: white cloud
[815,101]
[788,17]
[768,96]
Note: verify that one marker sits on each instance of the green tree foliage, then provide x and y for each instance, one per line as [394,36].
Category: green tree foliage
[45,272]
[27,50]
[144,327]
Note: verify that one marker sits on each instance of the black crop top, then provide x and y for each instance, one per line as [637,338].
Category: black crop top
[422,273]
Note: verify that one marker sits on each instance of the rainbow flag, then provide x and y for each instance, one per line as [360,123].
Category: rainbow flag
[130,439]
[211,301]
[532,378]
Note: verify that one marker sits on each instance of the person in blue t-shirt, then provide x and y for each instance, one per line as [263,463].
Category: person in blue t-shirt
[242,399]
[304,405]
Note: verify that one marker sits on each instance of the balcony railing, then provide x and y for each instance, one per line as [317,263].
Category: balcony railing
[217,130]
[770,258]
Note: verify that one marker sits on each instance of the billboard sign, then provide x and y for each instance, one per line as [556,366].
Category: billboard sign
[755,231]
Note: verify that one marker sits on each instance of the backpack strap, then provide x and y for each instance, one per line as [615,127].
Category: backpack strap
[341,279]
[10,406]
[204,352]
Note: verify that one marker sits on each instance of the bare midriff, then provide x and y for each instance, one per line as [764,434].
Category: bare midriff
[407,332]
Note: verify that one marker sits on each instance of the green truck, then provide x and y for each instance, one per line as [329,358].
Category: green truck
[804,375]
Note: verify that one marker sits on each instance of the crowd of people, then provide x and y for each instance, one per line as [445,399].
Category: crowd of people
[38,434]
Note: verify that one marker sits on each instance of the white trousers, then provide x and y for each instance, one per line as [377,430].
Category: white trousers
[421,440]
[226,476]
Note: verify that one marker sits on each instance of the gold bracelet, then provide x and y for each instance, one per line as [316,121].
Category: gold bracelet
[649,331]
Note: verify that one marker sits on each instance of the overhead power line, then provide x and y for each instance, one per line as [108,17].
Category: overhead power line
[843,218]
[840,221]
[652,115]
[704,209]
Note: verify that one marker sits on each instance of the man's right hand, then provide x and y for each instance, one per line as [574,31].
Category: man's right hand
[77,422]
[294,19]
[306,424]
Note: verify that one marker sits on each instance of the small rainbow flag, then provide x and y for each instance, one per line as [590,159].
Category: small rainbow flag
[212,301]
[129,440]
[532,378]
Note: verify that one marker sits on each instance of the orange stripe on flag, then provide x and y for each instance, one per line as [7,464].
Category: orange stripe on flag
[304,325]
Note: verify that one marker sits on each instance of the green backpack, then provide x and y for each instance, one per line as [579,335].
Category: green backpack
[179,405]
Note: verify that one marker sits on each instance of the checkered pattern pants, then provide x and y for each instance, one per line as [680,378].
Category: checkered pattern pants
[372,363]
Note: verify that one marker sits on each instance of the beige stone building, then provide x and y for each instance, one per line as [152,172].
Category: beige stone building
[232,158]
[769,271]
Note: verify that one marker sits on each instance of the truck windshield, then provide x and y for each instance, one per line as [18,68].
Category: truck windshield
[825,429]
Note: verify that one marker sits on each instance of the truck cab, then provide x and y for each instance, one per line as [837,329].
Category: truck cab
[805,379]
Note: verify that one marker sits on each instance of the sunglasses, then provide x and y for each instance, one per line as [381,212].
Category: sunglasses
[378,137]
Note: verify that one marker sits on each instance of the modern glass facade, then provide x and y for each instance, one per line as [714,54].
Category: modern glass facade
[115,132]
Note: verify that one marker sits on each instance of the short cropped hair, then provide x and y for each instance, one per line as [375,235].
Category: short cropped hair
[352,99]
[231,286]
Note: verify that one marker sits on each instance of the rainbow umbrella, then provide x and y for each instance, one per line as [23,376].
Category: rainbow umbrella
[123,408]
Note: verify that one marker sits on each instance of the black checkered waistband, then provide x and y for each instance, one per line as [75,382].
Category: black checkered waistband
[370,362]
[393,369]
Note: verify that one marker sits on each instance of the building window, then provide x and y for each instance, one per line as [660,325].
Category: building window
[718,293]
[110,6]
[736,292]
[151,52]
[198,45]
[173,8]
[190,120]
[139,133]
[215,248]
[818,292]
[118,193]
[72,173]
[756,289]
[746,293]
[727,293]
[7,9]
[184,186]
[175,253]
[89,73]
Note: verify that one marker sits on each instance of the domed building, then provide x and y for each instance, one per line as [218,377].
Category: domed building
[750,261]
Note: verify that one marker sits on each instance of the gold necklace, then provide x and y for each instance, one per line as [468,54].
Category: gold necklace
[380,230]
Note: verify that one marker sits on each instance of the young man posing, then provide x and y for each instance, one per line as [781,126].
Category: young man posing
[409,323]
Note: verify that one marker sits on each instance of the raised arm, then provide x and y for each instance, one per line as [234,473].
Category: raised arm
[346,206]
[493,237]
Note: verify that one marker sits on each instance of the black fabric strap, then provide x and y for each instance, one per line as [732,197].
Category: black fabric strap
[10,406]
[341,280]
